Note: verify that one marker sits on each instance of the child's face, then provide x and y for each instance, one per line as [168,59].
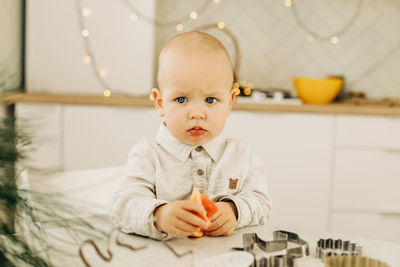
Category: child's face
[196,95]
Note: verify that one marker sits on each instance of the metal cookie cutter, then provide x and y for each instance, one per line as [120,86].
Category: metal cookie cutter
[277,252]
[353,261]
[336,247]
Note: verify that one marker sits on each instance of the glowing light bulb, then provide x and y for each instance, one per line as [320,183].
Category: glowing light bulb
[107,93]
[87,59]
[221,25]
[102,73]
[237,91]
[247,91]
[334,39]
[85,33]
[179,27]
[288,3]
[86,12]
[134,16]
[310,38]
[216,1]
[235,85]
[193,15]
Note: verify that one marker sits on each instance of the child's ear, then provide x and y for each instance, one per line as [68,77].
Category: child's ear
[158,101]
[232,96]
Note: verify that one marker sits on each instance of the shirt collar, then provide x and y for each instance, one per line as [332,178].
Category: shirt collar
[175,147]
[215,147]
[182,151]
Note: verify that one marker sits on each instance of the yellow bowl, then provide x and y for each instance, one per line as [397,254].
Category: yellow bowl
[317,91]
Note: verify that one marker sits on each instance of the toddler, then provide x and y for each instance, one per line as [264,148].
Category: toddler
[195,97]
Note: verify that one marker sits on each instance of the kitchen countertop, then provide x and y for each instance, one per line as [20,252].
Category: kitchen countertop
[156,254]
[130,101]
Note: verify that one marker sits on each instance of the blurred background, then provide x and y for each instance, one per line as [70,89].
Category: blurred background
[278,40]
[328,171]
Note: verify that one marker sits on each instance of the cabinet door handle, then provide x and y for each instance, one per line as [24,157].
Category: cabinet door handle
[390,213]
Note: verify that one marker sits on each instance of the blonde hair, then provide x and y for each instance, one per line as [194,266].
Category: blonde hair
[193,40]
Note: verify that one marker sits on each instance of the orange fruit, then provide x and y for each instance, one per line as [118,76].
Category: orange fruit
[208,205]
[197,234]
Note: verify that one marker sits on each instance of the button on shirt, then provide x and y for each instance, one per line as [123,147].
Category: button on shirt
[165,169]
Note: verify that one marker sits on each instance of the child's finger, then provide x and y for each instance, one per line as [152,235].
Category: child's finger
[215,216]
[216,224]
[193,219]
[229,232]
[179,231]
[187,227]
[219,231]
[191,206]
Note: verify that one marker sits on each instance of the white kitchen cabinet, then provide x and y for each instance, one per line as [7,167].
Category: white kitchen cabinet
[74,137]
[98,137]
[45,123]
[296,151]
[368,132]
[366,178]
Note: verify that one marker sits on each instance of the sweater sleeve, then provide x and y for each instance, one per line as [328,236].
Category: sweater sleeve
[131,207]
[253,202]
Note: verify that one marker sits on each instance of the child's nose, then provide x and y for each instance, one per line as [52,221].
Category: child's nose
[197,114]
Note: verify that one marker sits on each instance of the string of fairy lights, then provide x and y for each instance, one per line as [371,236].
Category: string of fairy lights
[313,35]
[178,23]
[135,15]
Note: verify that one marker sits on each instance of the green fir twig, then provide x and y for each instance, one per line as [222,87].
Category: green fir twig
[23,239]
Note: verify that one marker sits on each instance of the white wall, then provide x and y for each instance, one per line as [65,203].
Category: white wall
[10,47]
[10,44]
[55,47]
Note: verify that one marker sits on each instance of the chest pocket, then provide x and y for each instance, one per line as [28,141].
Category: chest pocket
[229,185]
[233,183]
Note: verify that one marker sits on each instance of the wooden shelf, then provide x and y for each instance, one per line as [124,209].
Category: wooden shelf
[76,99]
[130,101]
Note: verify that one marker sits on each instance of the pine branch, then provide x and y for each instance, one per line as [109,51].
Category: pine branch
[32,245]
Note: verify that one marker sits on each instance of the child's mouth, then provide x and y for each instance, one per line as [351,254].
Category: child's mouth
[196,131]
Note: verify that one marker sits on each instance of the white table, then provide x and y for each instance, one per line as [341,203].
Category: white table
[156,254]
[95,186]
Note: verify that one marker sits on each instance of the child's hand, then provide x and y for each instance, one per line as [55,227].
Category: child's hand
[224,221]
[177,218]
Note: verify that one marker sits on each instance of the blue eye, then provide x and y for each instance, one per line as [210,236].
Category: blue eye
[181,99]
[211,100]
